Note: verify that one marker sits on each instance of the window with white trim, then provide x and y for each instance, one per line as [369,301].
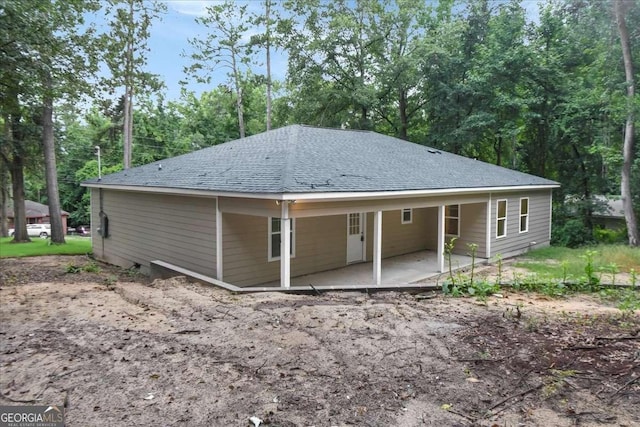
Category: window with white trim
[501,218]
[354,224]
[452,220]
[275,238]
[407,216]
[524,214]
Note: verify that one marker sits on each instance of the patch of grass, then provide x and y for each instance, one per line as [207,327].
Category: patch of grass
[570,263]
[625,257]
[560,271]
[550,252]
[551,268]
[37,246]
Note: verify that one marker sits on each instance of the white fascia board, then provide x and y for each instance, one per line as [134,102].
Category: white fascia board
[329,196]
[409,193]
[185,191]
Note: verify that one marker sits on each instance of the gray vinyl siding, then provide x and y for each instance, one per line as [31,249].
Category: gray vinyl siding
[431,218]
[400,239]
[473,229]
[144,227]
[245,250]
[320,244]
[539,223]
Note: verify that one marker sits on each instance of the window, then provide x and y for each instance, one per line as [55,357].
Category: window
[275,233]
[501,219]
[354,224]
[452,220]
[407,216]
[524,215]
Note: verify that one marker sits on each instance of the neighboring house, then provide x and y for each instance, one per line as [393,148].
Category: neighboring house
[37,213]
[300,199]
[610,212]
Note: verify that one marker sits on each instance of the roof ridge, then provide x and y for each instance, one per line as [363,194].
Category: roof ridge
[331,128]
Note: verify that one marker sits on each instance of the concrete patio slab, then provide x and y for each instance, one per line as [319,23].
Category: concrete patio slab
[399,270]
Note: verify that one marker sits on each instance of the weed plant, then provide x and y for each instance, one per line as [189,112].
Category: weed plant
[556,272]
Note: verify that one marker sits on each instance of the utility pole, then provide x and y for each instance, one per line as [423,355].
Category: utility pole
[97,147]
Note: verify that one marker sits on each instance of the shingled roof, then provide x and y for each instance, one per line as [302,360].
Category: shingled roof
[305,159]
[33,210]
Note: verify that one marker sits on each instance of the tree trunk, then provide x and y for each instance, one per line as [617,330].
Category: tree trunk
[497,148]
[4,181]
[4,201]
[238,88]
[130,127]
[125,132]
[12,158]
[51,172]
[268,48]
[587,208]
[127,126]
[364,118]
[402,106]
[627,149]
[19,209]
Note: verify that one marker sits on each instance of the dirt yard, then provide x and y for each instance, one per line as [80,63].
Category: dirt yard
[118,350]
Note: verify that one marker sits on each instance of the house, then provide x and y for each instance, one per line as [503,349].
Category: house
[36,213]
[300,199]
[609,213]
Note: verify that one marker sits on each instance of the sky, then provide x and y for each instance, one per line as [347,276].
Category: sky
[169,41]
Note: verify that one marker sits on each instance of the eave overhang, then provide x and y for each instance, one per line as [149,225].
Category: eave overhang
[323,196]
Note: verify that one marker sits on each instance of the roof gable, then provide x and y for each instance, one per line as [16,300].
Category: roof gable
[305,159]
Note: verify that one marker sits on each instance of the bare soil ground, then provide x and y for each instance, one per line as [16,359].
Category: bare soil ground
[118,350]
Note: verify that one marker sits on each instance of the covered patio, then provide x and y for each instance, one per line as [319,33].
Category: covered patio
[399,270]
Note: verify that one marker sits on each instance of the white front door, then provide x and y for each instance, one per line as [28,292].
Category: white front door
[355,237]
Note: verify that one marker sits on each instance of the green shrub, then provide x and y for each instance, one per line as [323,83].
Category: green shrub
[482,289]
[571,233]
[609,236]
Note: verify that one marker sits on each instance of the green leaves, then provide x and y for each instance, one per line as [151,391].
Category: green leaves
[125,44]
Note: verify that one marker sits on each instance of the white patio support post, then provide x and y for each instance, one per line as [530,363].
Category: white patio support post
[285,246]
[441,268]
[377,247]
[219,240]
[489,221]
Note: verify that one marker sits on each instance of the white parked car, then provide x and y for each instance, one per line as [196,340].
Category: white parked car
[35,230]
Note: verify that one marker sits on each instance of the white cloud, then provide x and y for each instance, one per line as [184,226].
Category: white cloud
[198,7]
[191,7]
